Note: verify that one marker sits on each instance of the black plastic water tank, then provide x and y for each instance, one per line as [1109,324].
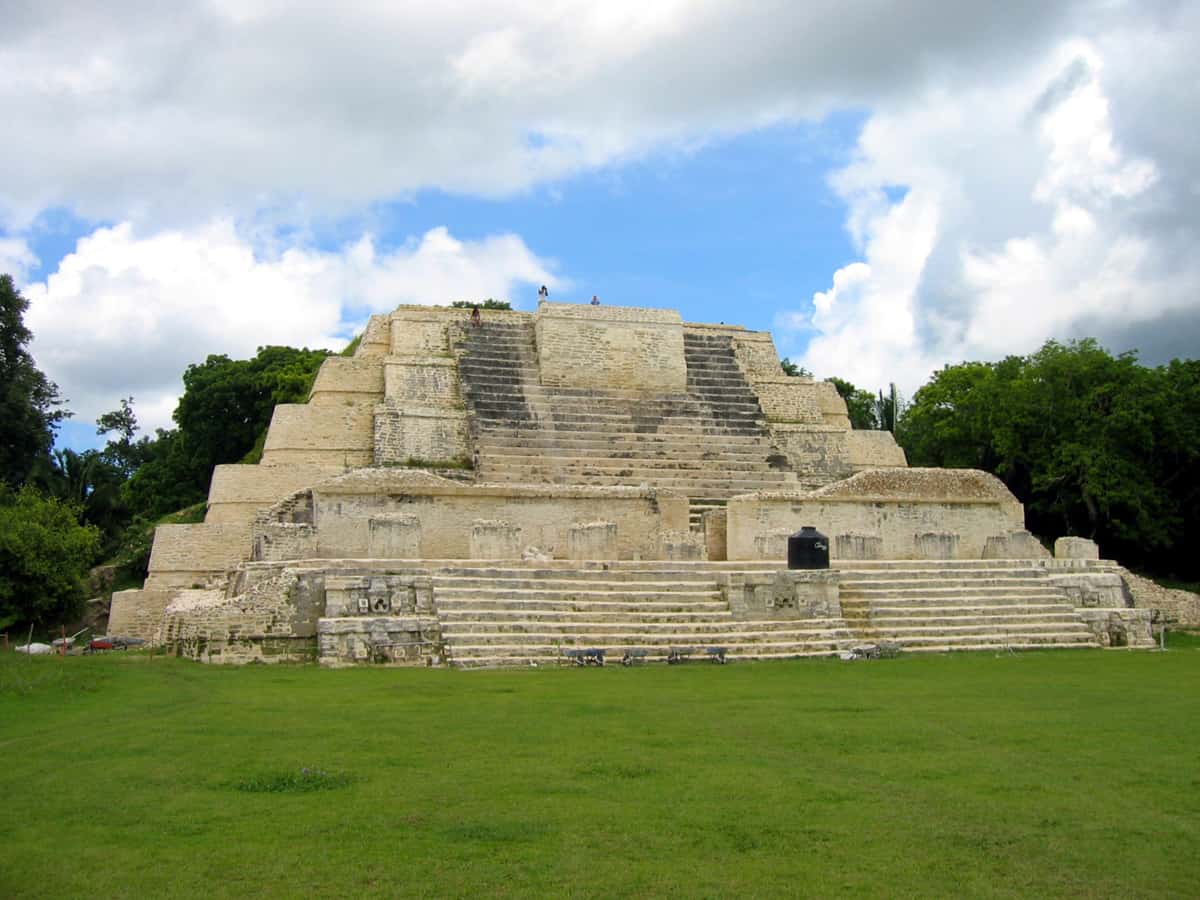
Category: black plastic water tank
[808,549]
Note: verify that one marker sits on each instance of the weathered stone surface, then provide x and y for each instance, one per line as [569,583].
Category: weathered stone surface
[394,536]
[1181,608]
[592,540]
[683,545]
[1018,544]
[897,505]
[611,347]
[856,546]
[1075,548]
[1093,589]
[495,539]
[715,542]
[782,594]
[1119,627]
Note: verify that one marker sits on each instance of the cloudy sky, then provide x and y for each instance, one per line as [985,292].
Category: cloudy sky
[888,187]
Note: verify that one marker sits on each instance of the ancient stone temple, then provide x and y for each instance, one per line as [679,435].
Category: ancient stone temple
[597,478]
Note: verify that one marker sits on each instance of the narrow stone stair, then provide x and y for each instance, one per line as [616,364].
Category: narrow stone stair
[932,606]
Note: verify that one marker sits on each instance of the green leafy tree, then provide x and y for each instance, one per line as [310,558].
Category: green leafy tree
[793,370]
[222,417]
[29,403]
[860,404]
[1093,444]
[489,303]
[44,557]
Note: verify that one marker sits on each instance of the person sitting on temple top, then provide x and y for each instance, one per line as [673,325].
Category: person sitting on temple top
[476,318]
[595,300]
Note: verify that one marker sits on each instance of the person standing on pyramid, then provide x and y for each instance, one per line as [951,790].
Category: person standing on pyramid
[543,294]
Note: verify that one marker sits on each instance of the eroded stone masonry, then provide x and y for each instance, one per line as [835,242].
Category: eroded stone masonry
[598,477]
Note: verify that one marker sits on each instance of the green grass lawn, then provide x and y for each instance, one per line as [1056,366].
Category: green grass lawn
[1059,773]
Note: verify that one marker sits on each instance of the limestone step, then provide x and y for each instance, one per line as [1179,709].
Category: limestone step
[957,588]
[461,613]
[558,420]
[1068,621]
[597,593]
[654,631]
[931,565]
[634,471]
[801,651]
[530,651]
[516,435]
[694,461]
[504,391]
[543,448]
[1000,638]
[558,580]
[467,641]
[614,429]
[685,486]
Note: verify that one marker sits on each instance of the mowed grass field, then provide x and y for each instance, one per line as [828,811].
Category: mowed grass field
[1070,773]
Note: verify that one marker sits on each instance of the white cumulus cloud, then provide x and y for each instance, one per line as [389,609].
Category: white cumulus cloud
[992,215]
[126,313]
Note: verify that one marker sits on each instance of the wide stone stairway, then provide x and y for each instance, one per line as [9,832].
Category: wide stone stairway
[959,605]
[709,443]
[514,615]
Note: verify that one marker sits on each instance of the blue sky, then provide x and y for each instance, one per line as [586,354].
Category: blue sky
[886,190]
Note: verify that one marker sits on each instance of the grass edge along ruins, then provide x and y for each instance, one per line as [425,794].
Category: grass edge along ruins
[605,477]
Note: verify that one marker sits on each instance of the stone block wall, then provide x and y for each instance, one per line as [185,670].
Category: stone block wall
[782,595]
[592,540]
[754,350]
[403,433]
[426,381]
[446,509]
[873,450]
[274,621]
[817,453]
[611,347]
[376,340]
[138,613]
[343,378]
[238,492]
[276,541]
[188,555]
[793,400]
[338,435]
[915,513]
[495,539]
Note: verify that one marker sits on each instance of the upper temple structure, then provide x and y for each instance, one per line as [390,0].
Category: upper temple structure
[599,480]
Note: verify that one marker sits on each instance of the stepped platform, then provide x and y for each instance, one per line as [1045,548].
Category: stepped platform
[389,519]
[494,613]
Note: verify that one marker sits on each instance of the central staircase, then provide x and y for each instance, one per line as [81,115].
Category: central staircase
[519,616]
[708,443]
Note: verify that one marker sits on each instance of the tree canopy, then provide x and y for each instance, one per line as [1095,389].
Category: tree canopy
[44,557]
[222,417]
[1093,444]
[29,402]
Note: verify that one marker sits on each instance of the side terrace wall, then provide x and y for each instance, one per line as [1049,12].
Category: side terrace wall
[239,492]
[187,555]
[345,508]
[335,435]
[905,513]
